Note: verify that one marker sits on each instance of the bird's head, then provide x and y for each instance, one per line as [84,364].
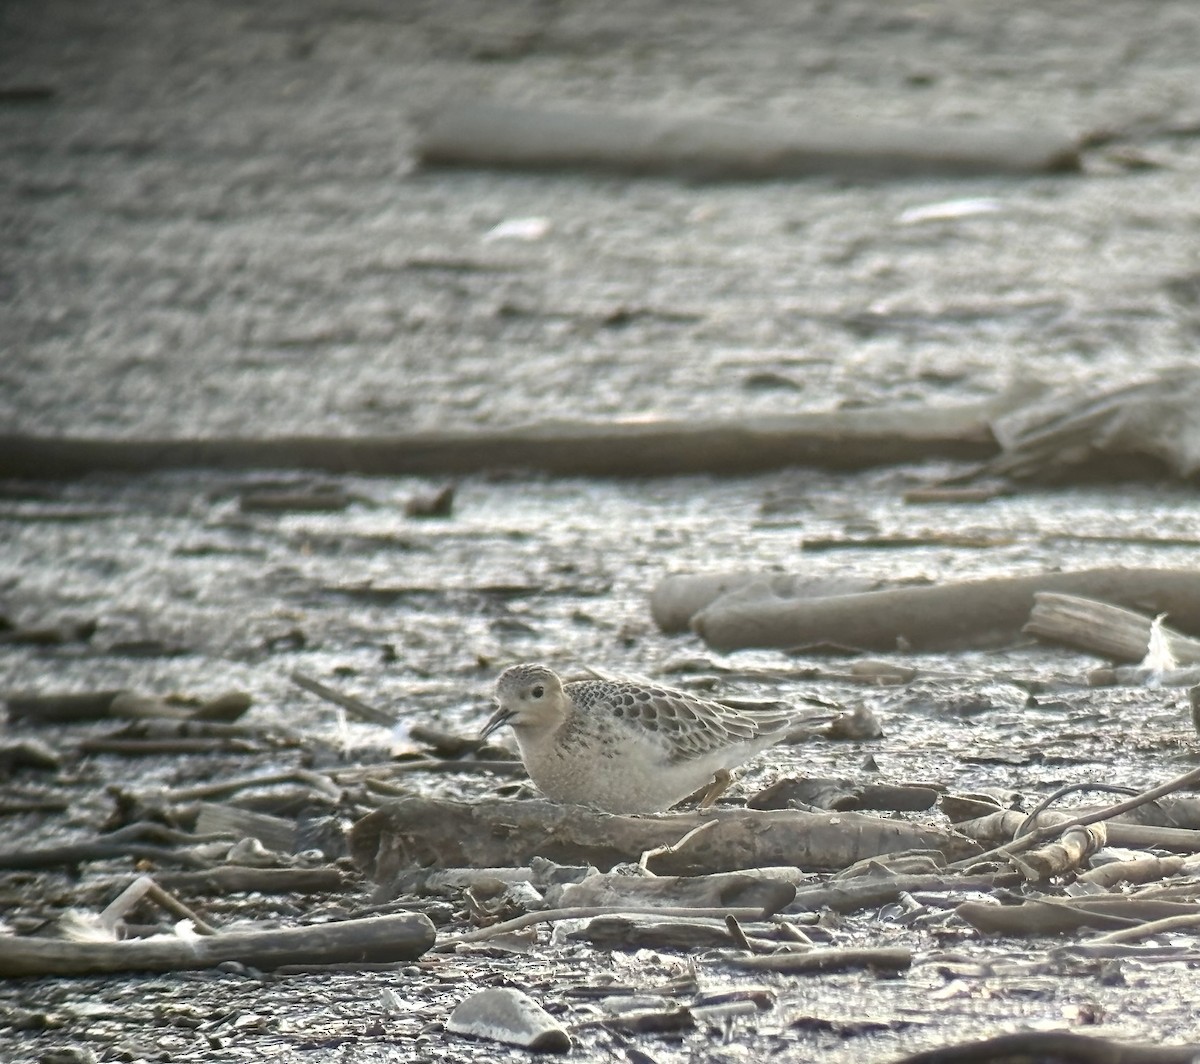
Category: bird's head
[527,696]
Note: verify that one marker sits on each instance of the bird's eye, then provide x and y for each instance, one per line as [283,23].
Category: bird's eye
[538,690]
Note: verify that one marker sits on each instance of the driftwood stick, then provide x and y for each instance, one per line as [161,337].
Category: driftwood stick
[867,892]
[115,911]
[60,708]
[1179,783]
[665,849]
[627,932]
[496,135]
[146,887]
[160,747]
[738,935]
[1101,628]
[770,889]
[1007,824]
[222,788]
[380,938]
[1151,927]
[677,598]
[1067,853]
[52,708]
[1149,954]
[1063,1047]
[586,912]
[176,908]
[953,616]
[238,879]
[80,852]
[1055,915]
[1139,870]
[356,707]
[846,439]
[1071,788]
[813,962]
[125,842]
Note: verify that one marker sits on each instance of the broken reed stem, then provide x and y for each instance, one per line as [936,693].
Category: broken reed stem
[585,912]
[1188,779]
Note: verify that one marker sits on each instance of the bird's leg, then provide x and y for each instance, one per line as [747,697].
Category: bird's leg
[710,792]
[721,780]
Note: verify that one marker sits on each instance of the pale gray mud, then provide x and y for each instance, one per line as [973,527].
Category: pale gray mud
[212,223]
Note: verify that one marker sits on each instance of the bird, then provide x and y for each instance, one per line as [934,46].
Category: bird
[628,745]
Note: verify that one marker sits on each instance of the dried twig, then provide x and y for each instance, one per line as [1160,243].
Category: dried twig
[674,847]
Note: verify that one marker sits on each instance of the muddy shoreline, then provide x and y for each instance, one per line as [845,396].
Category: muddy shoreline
[216,227]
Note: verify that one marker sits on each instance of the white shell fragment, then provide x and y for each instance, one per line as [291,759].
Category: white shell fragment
[950,210]
[506,1015]
[527,229]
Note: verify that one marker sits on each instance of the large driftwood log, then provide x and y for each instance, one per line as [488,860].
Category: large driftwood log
[1063,1047]
[676,599]
[972,613]
[842,439]
[1101,628]
[426,831]
[376,939]
[495,135]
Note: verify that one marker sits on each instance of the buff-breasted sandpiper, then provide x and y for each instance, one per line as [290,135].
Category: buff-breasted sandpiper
[625,746]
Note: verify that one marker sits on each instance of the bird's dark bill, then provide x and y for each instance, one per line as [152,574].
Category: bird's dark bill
[497,720]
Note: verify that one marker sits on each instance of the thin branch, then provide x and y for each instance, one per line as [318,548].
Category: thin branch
[354,706]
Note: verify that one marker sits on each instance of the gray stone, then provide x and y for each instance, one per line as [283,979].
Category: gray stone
[505,1015]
